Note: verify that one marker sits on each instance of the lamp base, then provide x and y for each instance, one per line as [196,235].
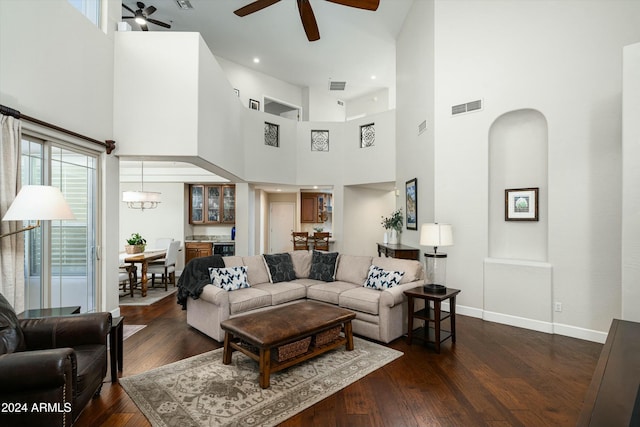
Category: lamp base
[435,289]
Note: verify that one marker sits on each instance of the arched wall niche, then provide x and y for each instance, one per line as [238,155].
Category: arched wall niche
[518,147]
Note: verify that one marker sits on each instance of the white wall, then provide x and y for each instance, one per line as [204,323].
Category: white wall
[630,180]
[415,93]
[371,103]
[574,78]
[59,69]
[323,106]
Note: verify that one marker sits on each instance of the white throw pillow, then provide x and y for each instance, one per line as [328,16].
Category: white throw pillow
[380,279]
[229,278]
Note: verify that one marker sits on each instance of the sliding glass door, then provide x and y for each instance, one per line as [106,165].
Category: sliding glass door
[60,266]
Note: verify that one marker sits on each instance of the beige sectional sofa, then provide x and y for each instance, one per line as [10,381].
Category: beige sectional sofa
[380,314]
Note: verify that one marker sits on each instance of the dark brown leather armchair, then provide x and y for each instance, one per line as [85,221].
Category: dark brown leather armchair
[50,367]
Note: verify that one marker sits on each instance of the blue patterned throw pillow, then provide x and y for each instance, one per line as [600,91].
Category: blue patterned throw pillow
[229,278]
[323,266]
[280,267]
[380,279]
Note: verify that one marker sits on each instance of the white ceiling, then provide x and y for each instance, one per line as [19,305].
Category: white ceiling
[354,44]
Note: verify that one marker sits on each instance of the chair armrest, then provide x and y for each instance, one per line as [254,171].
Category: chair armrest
[66,331]
[41,369]
[395,295]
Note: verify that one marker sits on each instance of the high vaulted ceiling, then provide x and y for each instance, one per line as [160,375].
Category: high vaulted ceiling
[354,44]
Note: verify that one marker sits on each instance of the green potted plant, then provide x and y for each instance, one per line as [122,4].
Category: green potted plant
[136,244]
[393,225]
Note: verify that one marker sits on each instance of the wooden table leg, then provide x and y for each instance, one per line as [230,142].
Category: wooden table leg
[348,333]
[410,308]
[265,367]
[144,278]
[436,323]
[452,310]
[227,351]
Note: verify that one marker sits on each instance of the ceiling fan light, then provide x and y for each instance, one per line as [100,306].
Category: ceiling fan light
[140,19]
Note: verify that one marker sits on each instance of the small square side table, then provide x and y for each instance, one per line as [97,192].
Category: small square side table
[432,334]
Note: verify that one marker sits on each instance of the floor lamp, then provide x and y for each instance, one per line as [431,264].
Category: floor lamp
[436,235]
[37,203]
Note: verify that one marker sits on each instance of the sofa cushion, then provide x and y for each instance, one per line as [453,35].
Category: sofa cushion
[323,266]
[301,263]
[380,279]
[256,269]
[229,278]
[329,292]
[280,267]
[248,299]
[353,268]
[412,269]
[360,299]
[284,291]
[11,338]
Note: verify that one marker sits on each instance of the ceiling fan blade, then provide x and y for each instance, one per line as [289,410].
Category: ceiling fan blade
[128,17]
[254,7]
[360,4]
[148,11]
[128,8]
[144,27]
[160,23]
[308,20]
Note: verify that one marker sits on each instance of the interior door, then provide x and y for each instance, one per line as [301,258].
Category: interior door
[282,218]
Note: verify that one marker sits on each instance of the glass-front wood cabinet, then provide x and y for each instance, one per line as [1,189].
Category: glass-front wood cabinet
[212,204]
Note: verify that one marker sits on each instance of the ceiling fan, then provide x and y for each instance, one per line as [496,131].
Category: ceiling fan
[141,16]
[306,12]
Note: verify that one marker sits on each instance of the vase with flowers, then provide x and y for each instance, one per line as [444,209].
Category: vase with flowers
[393,225]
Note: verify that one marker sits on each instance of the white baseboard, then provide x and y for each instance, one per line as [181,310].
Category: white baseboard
[532,324]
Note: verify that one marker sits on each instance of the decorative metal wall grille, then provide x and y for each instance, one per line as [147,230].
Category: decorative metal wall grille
[367,135]
[319,140]
[271,134]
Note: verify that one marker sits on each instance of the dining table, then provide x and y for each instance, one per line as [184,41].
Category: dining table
[143,258]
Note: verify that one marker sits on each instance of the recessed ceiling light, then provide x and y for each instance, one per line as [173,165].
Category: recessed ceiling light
[256,60]
[373,77]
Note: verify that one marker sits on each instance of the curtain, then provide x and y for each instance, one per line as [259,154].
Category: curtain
[11,247]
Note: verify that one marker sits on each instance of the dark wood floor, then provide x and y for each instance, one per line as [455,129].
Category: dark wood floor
[494,375]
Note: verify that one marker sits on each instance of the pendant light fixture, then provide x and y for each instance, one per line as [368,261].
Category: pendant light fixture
[141,199]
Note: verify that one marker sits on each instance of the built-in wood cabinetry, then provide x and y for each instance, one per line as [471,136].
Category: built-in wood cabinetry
[315,208]
[197,250]
[212,204]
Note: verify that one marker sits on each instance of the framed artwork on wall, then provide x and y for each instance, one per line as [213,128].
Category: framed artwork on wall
[271,134]
[367,135]
[319,140]
[521,204]
[254,105]
[237,92]
[411,191]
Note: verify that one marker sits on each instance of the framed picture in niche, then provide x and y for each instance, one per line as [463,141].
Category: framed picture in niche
[254,105]
[271,134]
[319,140]
[411,191]
[521,204]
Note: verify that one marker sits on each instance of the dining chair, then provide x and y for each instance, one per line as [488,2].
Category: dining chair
[321,241]
[161,243]
[128,274]
[168,267]
[300,241]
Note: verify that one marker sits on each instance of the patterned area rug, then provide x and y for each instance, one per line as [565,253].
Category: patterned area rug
[201,391]
[153,295]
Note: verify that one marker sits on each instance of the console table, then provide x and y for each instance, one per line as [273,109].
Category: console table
[398,251]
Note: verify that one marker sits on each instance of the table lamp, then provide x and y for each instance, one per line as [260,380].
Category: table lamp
[37,203]
[436,262]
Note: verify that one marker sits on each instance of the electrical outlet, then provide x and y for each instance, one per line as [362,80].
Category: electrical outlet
[558,306]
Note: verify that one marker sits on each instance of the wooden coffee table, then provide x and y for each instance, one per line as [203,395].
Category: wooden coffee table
[258,334]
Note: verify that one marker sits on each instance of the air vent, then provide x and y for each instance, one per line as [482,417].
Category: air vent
[337,85]
[184,4]
[466,108]
[422,127]
[340,103]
